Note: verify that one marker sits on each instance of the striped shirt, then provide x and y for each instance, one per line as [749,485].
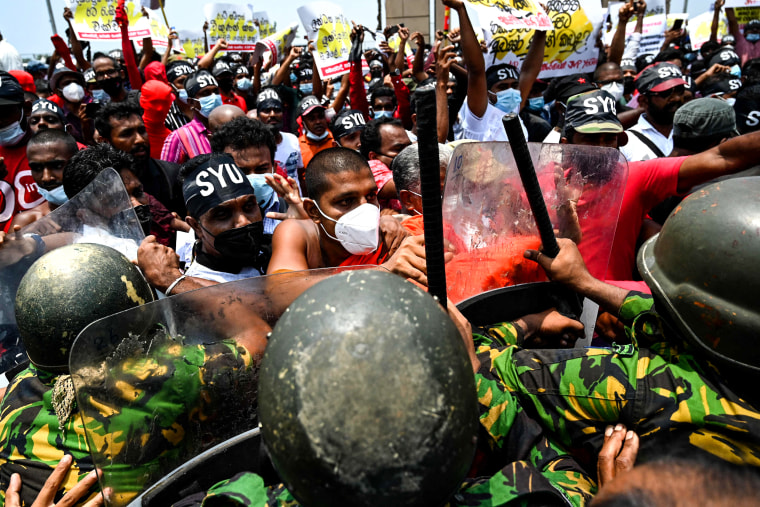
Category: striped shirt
[186,142]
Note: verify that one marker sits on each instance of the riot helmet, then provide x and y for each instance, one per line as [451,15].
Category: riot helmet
[67,289]
[702,269]
[367,396]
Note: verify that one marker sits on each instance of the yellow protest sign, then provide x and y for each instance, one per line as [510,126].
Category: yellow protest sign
[94,19]
[570,41]
[232,22]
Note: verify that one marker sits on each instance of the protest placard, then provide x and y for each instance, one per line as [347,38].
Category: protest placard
[275,44]
[570,40]
[745,14]
[94,19]
[330,30]
[506,15]
[231,22]
[742,3]
[261,21]
[699,29]
[191,42]
[159,32]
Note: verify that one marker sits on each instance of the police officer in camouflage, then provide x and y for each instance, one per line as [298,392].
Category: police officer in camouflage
[62,292]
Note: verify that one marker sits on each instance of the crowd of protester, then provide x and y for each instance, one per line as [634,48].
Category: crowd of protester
[240,167]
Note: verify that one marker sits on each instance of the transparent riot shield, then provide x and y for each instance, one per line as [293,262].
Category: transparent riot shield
[488,221]
[162,383]
[100,213]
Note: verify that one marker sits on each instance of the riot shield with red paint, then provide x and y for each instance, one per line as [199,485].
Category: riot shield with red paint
[488,220]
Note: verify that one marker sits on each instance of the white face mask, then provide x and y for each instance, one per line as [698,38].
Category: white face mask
[614,89]
[73,92]
[358,231]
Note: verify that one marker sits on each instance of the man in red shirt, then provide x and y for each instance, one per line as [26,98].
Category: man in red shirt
[225,77]
[18,191]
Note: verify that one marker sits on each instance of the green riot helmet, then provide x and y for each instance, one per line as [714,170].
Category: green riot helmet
[367,396]
[67,289]
[702,269]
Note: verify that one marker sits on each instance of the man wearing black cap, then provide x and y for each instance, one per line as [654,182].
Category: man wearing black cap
[18,191]
[347,127]
[225,77]
[661,92]
[559,91]
[747,107]
[269,108]
[192,139]
[316,136]
[591,120]
[223,211]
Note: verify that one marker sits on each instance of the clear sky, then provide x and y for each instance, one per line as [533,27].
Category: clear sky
[26,25]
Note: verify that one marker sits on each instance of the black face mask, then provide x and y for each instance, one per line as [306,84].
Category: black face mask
[111,86]
[628,85]
[225,84]
[241,245]
[144,216]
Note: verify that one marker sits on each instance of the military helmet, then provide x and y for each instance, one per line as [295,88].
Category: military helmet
[702,268]
[367,396]
[67,289]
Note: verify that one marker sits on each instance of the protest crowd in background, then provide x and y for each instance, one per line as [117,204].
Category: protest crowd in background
[247,147]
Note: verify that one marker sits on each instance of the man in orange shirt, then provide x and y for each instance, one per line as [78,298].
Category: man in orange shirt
[316,136]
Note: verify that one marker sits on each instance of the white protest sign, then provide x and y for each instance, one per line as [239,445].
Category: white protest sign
[261,20]
[276,44]
[570,41]
[231,22]
[159,32]
[94,20]
[742,3]
[700,26]
[501,16]
[330,30]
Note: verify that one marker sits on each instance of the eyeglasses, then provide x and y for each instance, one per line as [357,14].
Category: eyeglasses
[664,94]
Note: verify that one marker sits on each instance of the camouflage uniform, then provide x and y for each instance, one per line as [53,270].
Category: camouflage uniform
[537,471]
[31,442]
[671,398]
[144,410]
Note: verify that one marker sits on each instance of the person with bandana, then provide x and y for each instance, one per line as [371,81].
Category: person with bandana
[48,152]
[18,191]
[316,136]
[496,91]
[269,108]
[345,227]
[46,115]
[180,112]
[347,128]
[191,140]
[225,77]
[224,214]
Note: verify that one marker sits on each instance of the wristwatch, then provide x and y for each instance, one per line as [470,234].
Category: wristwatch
[396,72]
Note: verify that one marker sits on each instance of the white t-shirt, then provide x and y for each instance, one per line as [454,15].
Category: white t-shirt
[635,149]
[9,57]
[288,155]
[198,270]
[487,128]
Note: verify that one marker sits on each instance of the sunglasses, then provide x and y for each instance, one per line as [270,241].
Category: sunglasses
[664,94]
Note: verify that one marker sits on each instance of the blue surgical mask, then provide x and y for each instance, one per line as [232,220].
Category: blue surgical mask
[508,100]
[56,196]
[752,37]
[536,103]
[12,134]
[244,84]
[100,95]
[263,191]
[210,103]
[306,88]
[315,137]
[182,94]
[336,86]
[736,71]
[293,78]
[382,114]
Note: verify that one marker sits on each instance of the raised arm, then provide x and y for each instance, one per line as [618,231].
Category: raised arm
[208,59]
[733,25]
[165,58]
[734,155]
[531,66]
[135,80]
[716,21]
[418,64]
[399,62]
[284,70]
[76,46]
[444,58]
[477,89]
[617,46]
